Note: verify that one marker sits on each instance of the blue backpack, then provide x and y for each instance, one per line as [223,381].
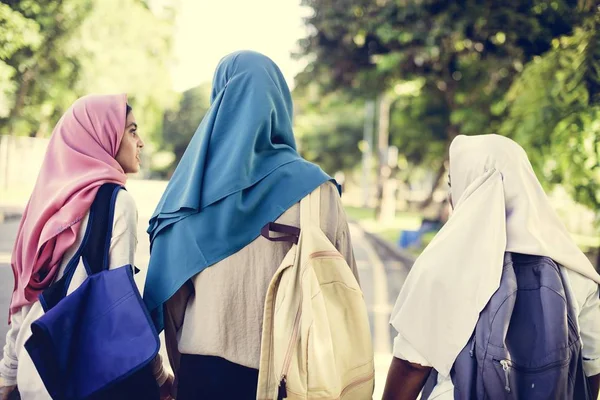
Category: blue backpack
[97,342]
[526,343]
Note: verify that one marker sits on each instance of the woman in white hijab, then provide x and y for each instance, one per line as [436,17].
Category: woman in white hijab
[499,206]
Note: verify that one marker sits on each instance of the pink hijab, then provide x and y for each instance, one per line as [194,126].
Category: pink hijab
[80,158]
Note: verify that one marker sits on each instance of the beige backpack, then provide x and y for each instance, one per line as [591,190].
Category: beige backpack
[316,341]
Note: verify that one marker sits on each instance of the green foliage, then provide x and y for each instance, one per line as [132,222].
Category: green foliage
[554,112]
[42,69]
[418,127]
[180,123]
[432,39]
[124,47]
[16,32]
[54,51]
[465,53]
[328,129]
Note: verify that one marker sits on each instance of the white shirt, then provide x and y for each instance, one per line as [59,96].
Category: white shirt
[16,367]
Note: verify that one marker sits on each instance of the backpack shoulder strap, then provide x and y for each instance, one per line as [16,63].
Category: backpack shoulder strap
[310,209]
[315,206]
[310,213]
[94,247]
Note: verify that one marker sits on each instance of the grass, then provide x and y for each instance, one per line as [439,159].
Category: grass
[390,230]
[390,235]
[402,221]
[359,213]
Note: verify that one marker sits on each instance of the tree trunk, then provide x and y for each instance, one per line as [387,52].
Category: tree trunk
[436,183]
[585,5]
[15,112]
[383,140]
[43,129]
[452,132]
[367,156]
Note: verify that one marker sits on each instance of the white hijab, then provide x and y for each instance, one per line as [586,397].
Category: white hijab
[499,207]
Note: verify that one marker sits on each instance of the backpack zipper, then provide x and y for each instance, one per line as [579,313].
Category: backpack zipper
[472,350]
[506,368]
[282,389]
[507,365]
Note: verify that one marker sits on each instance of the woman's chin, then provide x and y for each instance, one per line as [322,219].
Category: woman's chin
[133,170]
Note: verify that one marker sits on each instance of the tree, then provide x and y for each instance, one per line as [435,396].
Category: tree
[48,24]
[554,112]
[180,123]
[418,126]
[328,129]
[466,52]
[67,48]
[124,46]
[16,32]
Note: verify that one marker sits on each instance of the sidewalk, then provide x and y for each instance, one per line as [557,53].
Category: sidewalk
[383,269]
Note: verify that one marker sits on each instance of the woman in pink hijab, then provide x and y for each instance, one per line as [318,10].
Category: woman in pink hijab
[95,142]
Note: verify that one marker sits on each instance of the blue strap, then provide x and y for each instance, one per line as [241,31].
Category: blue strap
[94,247]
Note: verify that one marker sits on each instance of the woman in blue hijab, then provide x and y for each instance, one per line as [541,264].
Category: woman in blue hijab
[240,171]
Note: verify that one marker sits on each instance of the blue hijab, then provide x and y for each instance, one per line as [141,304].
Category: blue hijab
[240,171]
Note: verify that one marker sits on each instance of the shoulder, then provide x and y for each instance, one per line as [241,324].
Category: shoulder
[333,215]
[330,196]
[330,188]
[125,208]
[583,288]
[125,202]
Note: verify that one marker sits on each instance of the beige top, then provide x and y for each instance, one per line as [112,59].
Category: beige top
[220,311]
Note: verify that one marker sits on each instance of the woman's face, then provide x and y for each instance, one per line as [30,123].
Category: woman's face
[128,155]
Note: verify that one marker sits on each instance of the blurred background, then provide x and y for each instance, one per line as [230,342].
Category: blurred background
[381,87]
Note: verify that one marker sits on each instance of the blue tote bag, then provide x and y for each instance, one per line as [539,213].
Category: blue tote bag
[97,341]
